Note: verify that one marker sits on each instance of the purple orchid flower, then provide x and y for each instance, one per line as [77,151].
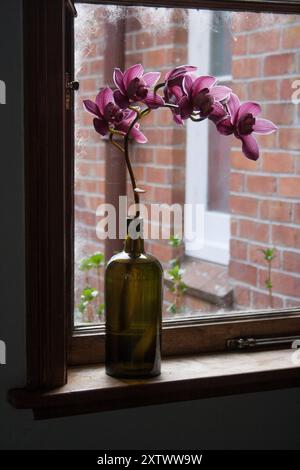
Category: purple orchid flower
[135,86]
[178,73]
[243,122]
[173,90]
[203,96]
[109,115]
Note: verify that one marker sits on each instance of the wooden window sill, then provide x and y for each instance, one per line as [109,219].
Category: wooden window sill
[183,378]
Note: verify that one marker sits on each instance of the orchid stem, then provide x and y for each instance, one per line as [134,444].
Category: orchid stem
[158,86]
[115,132]
[171,106]
[125,150]
[135,109]
[118,146]
[139,115]
[127,159]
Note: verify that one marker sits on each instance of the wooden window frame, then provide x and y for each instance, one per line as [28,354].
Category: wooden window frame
[52,344]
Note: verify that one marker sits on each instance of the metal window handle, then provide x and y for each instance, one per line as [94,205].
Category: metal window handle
[248,343]
[73,85]
[70,86]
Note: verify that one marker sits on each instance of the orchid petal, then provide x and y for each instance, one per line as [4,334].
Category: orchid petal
[91,107]
[100,126]
[186,107]
[129,115]
[104,97]
[187,84]
[180,70]
[118,79]
[233,105]
[153,100]
[203,82]
[218,113]
[151,78]
[225,127]
[176,91]
[137,135]
[264,126]
[120,99]
[136,71]
[178,119]
[249,108]
[124,125]
[220,93]
[250,147]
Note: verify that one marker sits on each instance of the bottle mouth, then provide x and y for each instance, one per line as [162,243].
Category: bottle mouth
[134,227]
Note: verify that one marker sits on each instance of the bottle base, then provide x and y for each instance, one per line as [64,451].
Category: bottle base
[132,374]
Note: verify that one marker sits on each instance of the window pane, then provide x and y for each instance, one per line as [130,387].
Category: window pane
[247,251]
[220,66]
[221,45]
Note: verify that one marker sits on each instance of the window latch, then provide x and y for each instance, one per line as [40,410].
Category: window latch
[248,343]
[70,86]
[73,85]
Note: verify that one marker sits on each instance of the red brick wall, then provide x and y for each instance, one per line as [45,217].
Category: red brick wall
[265,194]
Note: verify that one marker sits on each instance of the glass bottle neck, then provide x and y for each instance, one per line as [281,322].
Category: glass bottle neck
[134,247]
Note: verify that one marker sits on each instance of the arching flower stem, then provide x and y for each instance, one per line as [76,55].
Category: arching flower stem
[158,86]
[139,115]
[111,137]
[125,149]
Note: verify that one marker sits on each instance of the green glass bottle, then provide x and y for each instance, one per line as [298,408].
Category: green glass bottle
[133,302]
